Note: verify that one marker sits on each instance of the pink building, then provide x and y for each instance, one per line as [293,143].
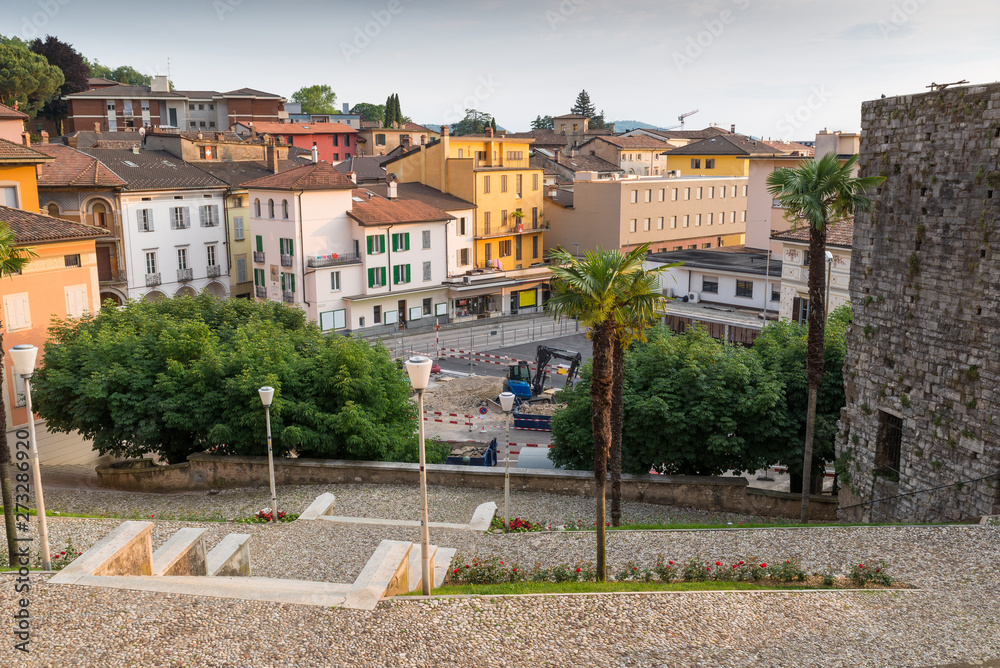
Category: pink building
[334,141]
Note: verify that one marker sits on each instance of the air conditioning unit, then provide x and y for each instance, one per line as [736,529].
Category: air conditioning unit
[693,297]
[467,280]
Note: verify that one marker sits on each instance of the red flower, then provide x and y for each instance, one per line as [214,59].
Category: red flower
[734,565]
[635,568]
[467,565]
[861,565]
[578,570]
[718,563]
[515,570]
[709,569]
[671,563]
[788,561]
[741,563]
[501,563]
[763,565]
[456,570]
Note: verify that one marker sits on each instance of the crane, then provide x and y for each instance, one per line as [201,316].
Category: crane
[683,116]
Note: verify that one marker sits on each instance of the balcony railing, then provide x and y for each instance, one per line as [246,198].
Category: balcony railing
[152,279]
[214,271]
[185,274]
[115,277]
[333,260]
[288,296]
[209,223]
[258,257]
[286,260]
[260,291]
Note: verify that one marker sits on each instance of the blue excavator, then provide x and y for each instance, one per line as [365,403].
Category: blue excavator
[527,387]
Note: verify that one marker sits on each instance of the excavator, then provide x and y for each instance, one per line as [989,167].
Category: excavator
[528,388]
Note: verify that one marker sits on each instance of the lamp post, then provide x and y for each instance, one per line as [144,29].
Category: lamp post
[829,268]
[266,396]
[23,357]
[507,404]
[419,370]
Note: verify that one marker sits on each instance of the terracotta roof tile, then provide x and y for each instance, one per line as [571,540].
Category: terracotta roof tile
[74,168]
[303,128]
[249,92]
[34,227]
[319,176]
[638,142]
[726,145]
[839,234]
[7,112]
[426,194]
[153,170]
[11,152]
[376,210]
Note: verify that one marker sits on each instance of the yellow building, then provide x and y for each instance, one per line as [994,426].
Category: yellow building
[492,172]
[725,155]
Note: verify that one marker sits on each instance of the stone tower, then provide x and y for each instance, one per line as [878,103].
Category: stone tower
[920,435]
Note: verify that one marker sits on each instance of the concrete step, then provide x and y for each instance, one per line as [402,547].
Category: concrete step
[295,592]
[182,554]
[442,562]
[416,572]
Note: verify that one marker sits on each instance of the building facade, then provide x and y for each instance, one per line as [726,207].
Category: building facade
[333,141]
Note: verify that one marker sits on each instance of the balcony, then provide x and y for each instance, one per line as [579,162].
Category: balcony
[152,279]
[214,271]
[260,291]
[258,257]
[334,260]
[286,260]
[185,274]
[288,296]
[112,277]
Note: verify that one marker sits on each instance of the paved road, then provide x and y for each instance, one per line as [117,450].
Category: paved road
[523,351]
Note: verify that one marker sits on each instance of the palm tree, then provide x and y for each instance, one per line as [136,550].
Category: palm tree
[12,260]
[591,289]
[820,193]
[641,301]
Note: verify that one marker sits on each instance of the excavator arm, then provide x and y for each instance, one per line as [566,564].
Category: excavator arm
[543,356]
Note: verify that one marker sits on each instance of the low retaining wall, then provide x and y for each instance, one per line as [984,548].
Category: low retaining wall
[203,471]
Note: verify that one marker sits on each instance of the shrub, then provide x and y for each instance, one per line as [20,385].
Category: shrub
[862,574]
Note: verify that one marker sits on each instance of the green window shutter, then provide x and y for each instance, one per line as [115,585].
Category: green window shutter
[371,276]
[292,276]
[369,248]
[395,242]
[260,244]
[381,273]
[282,281]
[291,247]
[395,275]
[406,239]
[407,266]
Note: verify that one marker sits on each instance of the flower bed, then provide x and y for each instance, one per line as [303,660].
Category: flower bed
[264,516]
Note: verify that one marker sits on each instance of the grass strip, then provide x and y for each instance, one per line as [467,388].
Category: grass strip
[603,587]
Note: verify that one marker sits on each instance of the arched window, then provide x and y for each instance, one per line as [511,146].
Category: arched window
[53,209]
[270,208]
[100,214]
[284,209]
[256,208]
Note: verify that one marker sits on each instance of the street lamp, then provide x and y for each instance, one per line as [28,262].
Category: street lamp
[266,396]
[23,357]
[507,404]
[419,370]
[829,267]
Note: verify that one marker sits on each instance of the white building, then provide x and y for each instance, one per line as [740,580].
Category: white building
[172,217]
[795,269]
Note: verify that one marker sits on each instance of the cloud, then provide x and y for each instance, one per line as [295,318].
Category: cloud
[878,30]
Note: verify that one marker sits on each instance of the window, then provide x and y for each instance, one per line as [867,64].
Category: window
[241,270]
[461,227]
[732,218]
[427,304]
[260,244]
[151,262]
[256,208]
[258,278]
[182,258]
[706,245]
[710,284]
[461,153]
[209,215]
[534,181]
[800,310]
[709,163]
[711,192]
[16,311]
[145,217]
[743,215]
[534,247]
[517,183]
[401,274]
[662,195]
[377,315]
[687,193]
[634,196]
[673,194]
[775,293]
[710,216]
[503,248]
[486,223]
[99,211]
[503,183]
[238,226]
[334,281]
[284,208]
[697,220]
[515,155]
[744,190]
[488,252]
[645,225]
[744,288]
[380,139]
[286,246]
[425,239]
[698,192]
[347,141]
[695,163]
[631,225]
[210,254]
[673,222]
[287,282]
[179,219]
[53,209]
[401,241]
[677,248]
[659,223]
[486,184]
[71,260]
[518,242]
[376,244]
[376,279]
[145,105]
[888,444]
[649,195]
[722,192]
[534,217]
[687,220]
[427,271]
[463,257]
[693,247]
[270,208]
[503,218]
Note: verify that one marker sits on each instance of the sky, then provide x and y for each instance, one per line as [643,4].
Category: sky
[773,68]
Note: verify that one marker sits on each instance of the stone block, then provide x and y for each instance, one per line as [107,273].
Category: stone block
[182,554]
[385,574]
[483,516]
[321,506]
[415,572]
[127,550]
[230,557]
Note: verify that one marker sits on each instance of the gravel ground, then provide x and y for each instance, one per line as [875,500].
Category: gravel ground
[953,617]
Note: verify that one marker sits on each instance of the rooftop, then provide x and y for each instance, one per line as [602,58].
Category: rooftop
[7,112]
[728,144]
[35,227]
[318,176]
[369,208]
[426,194]
[19,153]
[367,167]
[142,169]
[753,262]
[72,168]
[636,142]
[306,128]
[840,234]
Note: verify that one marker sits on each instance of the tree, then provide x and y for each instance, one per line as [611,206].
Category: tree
[370,112]
[318,99]
[75,72]
[598,122]
[474,123]
[26,78]
[583,106]
[542,123]
[818,193]
[181,375]
[591,290]
[12,260]
[126,75]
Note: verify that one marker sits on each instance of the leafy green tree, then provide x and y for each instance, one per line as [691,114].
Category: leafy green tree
[583,106]
[123,74]
[318,99]
[181,375]
[370,112]
[818,193]
[783,349]
[474,123]
[27,80]
[542,123]
[75,72]
[598,122]
[591,289]
[12,260]
[693,406]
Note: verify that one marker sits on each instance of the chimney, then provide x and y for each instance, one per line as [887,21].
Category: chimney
[392,189]
[444,130]
[407,143]
[271,156]
[572,152]
[97,127]
[26,138]
[489,132]
[732,128]
[423,139]
[315,154]
[558,153]
[201,136]
[45,137]
[159,84]
[552,191]
[220,136]
[353,176]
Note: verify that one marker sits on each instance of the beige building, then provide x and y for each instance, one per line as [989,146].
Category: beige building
[668,213]
[641,155]
[382,141]
[795,269]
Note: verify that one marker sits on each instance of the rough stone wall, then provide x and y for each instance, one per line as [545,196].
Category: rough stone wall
[925,288]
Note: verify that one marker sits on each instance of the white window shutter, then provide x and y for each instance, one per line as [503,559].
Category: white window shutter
[187,217]
[202,210]
[215,214]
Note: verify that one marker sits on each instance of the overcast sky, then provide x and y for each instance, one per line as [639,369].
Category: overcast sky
[774,68]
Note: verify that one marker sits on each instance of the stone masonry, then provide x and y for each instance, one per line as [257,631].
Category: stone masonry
[922,372]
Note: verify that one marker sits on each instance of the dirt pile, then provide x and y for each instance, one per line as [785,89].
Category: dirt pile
[464,395]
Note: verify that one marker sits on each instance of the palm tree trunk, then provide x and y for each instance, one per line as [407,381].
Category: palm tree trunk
[600,395]
[5,492]
[814,355]
[617,420]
